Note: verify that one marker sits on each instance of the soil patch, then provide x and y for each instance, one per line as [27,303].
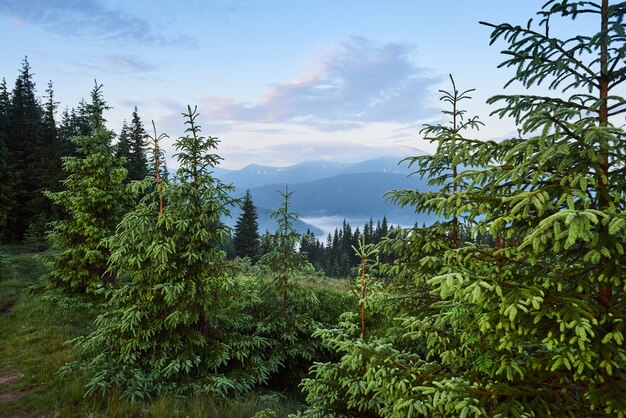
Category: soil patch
[7,377]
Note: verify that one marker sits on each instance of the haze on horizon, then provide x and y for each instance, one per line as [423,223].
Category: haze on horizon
[279,82]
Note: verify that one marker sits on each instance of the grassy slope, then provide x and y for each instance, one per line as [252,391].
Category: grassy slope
[33,329]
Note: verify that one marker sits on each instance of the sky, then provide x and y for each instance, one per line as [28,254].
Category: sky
[277,81]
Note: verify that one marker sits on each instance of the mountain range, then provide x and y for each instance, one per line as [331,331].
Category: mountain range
[326,193]
[259,175]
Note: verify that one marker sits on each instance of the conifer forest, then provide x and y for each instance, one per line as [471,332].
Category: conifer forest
[123,291]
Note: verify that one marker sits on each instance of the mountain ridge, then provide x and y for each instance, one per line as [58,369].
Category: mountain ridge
[255,175]
[325,193]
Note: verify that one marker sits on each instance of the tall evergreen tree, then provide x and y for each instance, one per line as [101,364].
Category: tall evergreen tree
[176,324]
[287,313]
[131,145]
[284,261]
[313,249]
[7,171]
[25,143]
[157,164]
[246,240]
[137,163]
[47,172]
[5,104]
[74,122]
[93,200]
[51,170]
[52,148]
[122,147]
[533,325]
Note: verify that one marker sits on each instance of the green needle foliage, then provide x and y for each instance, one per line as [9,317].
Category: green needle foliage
[179,322]
[374,376]
[93,199]
[290,311]
[7,172]
[284,261]
[533,324]
[246,239]
[131,145]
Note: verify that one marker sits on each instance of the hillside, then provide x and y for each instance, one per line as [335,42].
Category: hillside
[326,193]
[355,197]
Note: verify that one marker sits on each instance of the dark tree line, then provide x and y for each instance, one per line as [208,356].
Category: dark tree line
[33,146]
[336,256]
[131,146]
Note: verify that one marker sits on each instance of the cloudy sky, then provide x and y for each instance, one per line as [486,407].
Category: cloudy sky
[278,81]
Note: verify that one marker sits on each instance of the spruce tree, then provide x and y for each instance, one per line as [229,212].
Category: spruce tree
[287,312]
[93,199]
[122,146]
[179,323]
[52,148]
[131,145]
[156,162]
[137,160]
[25,143]
[246,240]
[74,122]
[7,171]
[533,324]
[48,173]
[370,377]
[5,104]
[284,261]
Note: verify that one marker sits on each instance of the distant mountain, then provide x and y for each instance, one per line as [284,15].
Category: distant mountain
[355,197]
[325,193]
[259,175]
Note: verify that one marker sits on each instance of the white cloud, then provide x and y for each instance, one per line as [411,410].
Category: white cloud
[359,81]
[92,18]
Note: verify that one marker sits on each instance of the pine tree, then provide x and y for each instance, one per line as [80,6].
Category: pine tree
[156,162]
[7,171]
[284,261]
[312,248]
[287,314]
[246,240]
[267,243]
[74,122]
[25,143]
[93,199]
[52,148]
[533,325]
[137,160]
[131,145]
[122,147]
[179,323]
[48,172]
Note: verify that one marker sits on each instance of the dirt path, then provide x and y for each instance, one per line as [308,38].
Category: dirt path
[8,376]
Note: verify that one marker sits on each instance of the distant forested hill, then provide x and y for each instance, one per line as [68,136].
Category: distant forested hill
[325,193]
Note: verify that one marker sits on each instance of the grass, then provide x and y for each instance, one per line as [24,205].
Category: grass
[33,329]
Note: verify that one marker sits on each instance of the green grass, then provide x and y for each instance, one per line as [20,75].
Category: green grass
[33,329]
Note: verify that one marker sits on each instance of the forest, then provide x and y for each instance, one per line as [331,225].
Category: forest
[123,292]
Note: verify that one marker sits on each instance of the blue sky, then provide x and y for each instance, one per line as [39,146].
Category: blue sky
[277,81]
